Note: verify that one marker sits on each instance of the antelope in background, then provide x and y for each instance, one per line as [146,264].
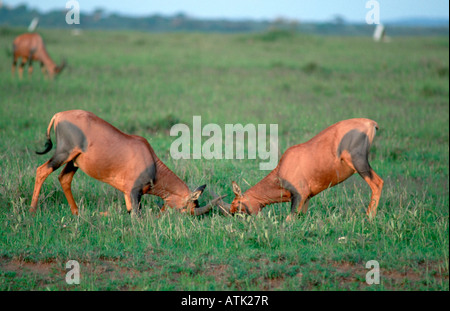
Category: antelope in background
[30,47]
[126,162]
[307,169]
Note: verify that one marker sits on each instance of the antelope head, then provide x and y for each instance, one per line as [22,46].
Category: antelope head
[189,203]
[60,68]
[240,204]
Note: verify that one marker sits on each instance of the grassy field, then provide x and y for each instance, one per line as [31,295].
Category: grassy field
[144,83]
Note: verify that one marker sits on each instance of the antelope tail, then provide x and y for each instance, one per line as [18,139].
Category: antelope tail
[48,143]
[372,131]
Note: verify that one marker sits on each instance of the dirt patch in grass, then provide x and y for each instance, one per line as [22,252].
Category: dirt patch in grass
[24,275]
[18,266]
[53,273]
[392,279]
[218,271]
[114,275]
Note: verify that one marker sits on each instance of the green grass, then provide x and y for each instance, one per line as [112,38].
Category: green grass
[144,83]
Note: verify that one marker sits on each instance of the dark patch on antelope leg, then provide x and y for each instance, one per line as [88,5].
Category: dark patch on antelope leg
[358,145]
[57,160]
[30,59]
[68,137]
[136,195]
[296,198]
[146,178]
[295,201]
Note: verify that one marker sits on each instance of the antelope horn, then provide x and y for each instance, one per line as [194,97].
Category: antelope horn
[223,207]
[205,209]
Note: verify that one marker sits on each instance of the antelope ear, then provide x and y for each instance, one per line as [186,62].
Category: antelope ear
[236,189]
[196,193]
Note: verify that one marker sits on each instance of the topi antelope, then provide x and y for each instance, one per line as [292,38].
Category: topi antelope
[307,169]
[126,162]
[30,47]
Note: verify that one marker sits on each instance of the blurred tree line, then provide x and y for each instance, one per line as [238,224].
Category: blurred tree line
[21,16]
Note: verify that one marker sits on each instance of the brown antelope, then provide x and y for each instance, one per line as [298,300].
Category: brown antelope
[307,169]
[30,47]
[126,162]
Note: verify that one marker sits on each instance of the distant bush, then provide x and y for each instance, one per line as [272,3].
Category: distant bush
[275,35]
[165,123]
[311,67]
[430,90]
